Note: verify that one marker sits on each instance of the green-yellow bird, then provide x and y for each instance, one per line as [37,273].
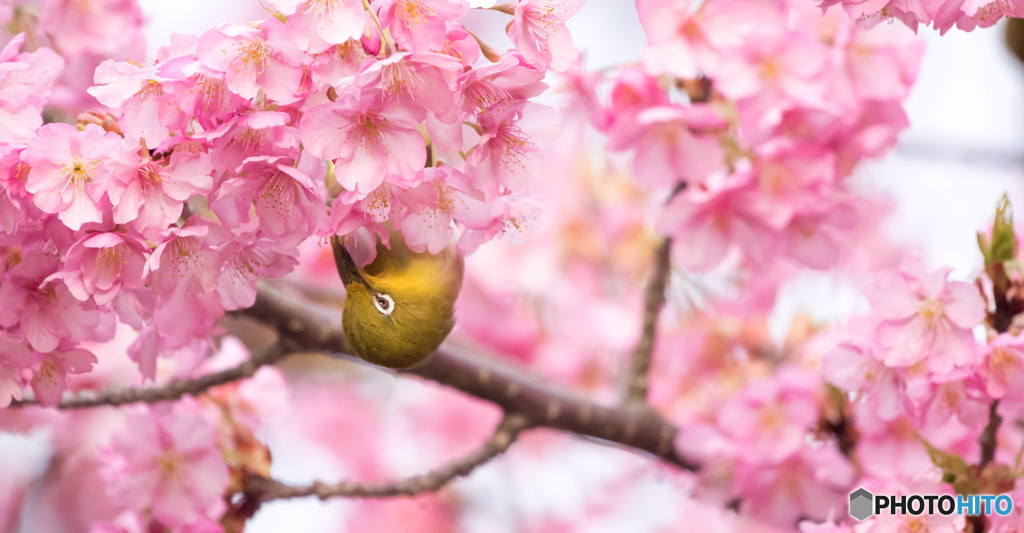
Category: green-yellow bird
[400,307]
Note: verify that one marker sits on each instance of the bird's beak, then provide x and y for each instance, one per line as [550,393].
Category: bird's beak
[347,268]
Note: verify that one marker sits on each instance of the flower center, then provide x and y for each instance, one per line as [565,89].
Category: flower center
[413,13]
[112,260]
[932,310]
[253,54]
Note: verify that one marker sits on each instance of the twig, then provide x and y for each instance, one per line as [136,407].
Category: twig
[260,489]
[1005,310]
[515,391]
[988,436]
[654,300]
[172,390]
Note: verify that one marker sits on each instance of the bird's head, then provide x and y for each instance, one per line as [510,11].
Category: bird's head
[399,308]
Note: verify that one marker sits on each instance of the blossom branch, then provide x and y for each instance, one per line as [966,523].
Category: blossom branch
[172,390]
[1001,320]
[260,489]
[654,301]
[633,426]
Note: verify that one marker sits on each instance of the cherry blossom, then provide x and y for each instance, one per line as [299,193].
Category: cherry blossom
[150,194]
[147,201]
[925,316]
[254,60]
[100,265]
[419,25]
[539,33]
[67,172]
[335,21]
[369,140]
[177,474]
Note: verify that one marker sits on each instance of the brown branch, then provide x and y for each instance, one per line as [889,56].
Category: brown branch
[654,301]
[260,489]
[1001,319]
[634,426]
[173,390]
[988,436]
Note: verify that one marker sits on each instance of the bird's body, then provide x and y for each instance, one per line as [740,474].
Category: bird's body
[399,308]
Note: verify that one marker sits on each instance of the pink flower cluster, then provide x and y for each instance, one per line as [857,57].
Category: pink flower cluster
[918,356]
[786,103]
[940,14]
[230,149]
[913,373]
[758,451]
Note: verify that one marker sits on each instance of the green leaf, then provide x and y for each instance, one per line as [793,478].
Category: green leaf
[1004,242]
[955,470]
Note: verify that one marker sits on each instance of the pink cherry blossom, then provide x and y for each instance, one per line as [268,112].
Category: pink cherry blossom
[458,43]
[254,60]
[500,87]
[508,152]
[251,400]
[539,33]
[100,265]
[857,369]
[50,379]
[102,27]
[149,193]
[335,21]
[633,91]
[289,206]
[791,180]
[672,144]
[770,417]
[260,133]
[419,25]
[208,98]
[140,92]
[22,95]
[17,89]
[954,412]
[44,308]
[714,220]
[165,459]
[338,62]
[368,140]
[686,37]
[182,273]
[14,358]
[445,196]
[1002,367]
[924,316]
[910,13]
[424,81]
[810,484]
[68,171]
[890,449]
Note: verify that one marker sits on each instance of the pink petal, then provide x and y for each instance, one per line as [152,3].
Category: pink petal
[963,304]
[891,296]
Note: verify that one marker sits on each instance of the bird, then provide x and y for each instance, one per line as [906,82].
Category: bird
[400,307]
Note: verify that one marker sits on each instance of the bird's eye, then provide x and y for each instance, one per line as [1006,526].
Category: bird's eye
[383,303]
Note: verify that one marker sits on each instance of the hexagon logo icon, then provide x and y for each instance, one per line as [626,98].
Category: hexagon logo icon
[861,504]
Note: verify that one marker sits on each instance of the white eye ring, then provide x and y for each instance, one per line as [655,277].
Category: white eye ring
[383,303]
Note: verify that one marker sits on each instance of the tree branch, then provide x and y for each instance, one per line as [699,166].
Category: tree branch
[634,426]
[173,390]
[987,439]
[260,489]
[654,301]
